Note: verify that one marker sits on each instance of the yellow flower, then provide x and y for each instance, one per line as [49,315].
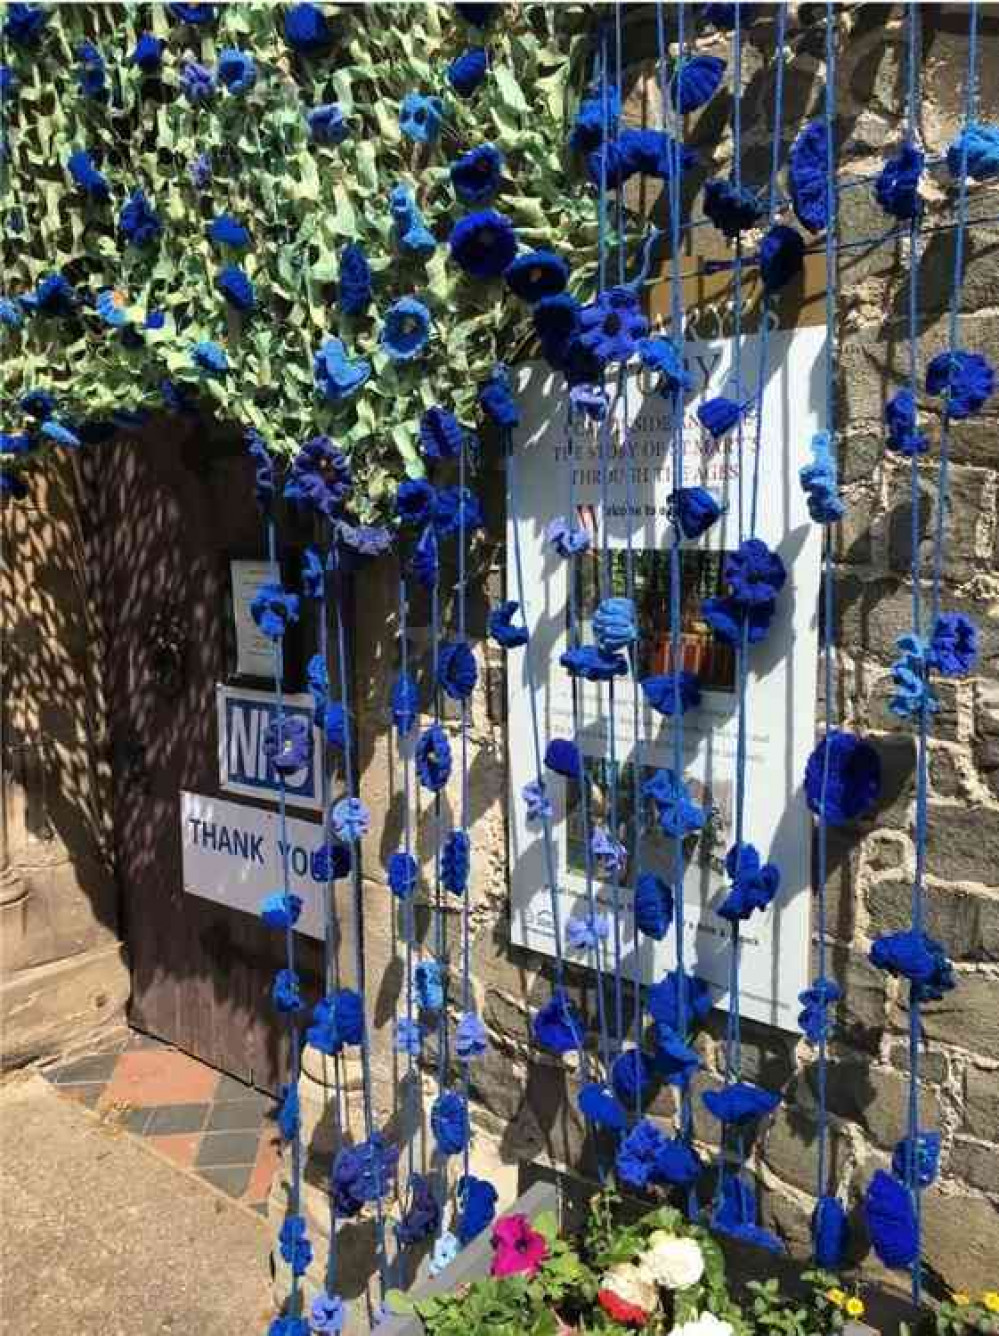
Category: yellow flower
[836,1297]
[991,1300]
[961,1299]
[855,1307]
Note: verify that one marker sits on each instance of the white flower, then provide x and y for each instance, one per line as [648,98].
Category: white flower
[629,1283]
[672,1262]
[705,1325]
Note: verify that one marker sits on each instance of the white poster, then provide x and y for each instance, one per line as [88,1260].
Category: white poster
[781,688]
[254,652]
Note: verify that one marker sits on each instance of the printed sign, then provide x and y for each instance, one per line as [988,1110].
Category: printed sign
[782,680]
[232,855]
[244,716]
[254,652]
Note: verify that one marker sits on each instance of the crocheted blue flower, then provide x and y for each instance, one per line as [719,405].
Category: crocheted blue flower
[891,1221]
[900,417]
[449,1123]
[915,956]
[428,984]
[914,695]
[25,24]
[975,152]
[86,176]
[897,186]
[422,1215]
[225,230]
[612,853]
[10,314]
[279,910]
[236,287]
[653,906]
[557,1026]
[405,704]
[921,1154]
[830,1233]
[695,82]
[675,1164]
[537,274]
[663,1000]
[611,326]
[237,70]
[196,14]
[614,624]
[662,357]
[445,1250]
[199,169]
[457,672]
[593,664]
[433,758]
[753,573]
[408,1038]
[587,932]
[477,1207]
[59,434]
[349,820]
[363,1173]
[287,744]
[781,257]
[588,128]
[502,628]
[336,376]
[274,609]
[285,992]
[456,508]
[406,329]
[306,29]
[441,434]
[633,1078]
[456,862]
[475,175]
[754,883]
[721,15]
[331,862]
[483,244]
[38,404]
[470,1038]
[420,117]
[411,232]
[414,500]
[139,223]
[15,443]
[813,1020]
[635,1161]
[732,209]
[319,477]
[673,1060]
[678,814]
[403,875]
[313,582]
[820,482]
[54,296]
[807,176]
[538,806]
[12,485]
[565,539]
[672,693]
[563,757]
[693,510]
[347,1011]
[365,540]
[849,770]
[210,358]
[295,1246]
[147,53]
[197,83]
[425,563]
[112,307]
[467,71]
[598,1105]
[496,398]
[638,152]
[288,1326]
[327,124]
[556,323]
[288,1114]
[327,1315]
[953,646]
[964,379]
[740,1104]
[91,75]
[720,415]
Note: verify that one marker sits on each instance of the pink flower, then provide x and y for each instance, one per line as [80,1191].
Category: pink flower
[518,1247]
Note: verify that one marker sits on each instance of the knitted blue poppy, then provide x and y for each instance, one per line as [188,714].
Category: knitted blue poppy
[954,644]
[740,1104]
[588,128]
[411,232]
[632,1077]
[891,1221]
[405,330]
[976,152]
[820,482]
[754,883]
[319,478]
[355,280]
[139,223]
[598,1105]
[456,862]
[909,672]
[327,124]
[322,1034]
[59,434]
[732,209]
[694,510]
[475,175]
[556,323]
[915,956]
[496,398]
[428,984]
[280,911]
[285,992]
[328,1315]
[408,1037]
[441,434]
[501,627]
[675,1164]
[897,186]
[663,1000]
[366,540]
[673,1060]
[720,415]
[781,257]
[470,1038]
[348,1015]
[237,70]
[662,358]
[38,404]
[639,152]
[457,672]
[813,1020]
[414,500]
[611,325]
[363,1173]
[425,561]
[422,1215]
[288,1114]
[925,1149]
[349,820]
[288,1326]
[306,29]
[477,1207]
[564,758]
[274,609]
[420,117]
[537,274]
[467,71]
[807,176]
[405,704]
[753,573]
[456,508]
[24,24]
[614,624]
[449,1123]
[721,15]
[236,288]
[403,875]
[635,1161]
[557,1026]
[653,906]
[336,376]
[86,176]
[565,539]
[54,296]
[225,230]
[695,82]
[537,804]
[964,379]
[586,932]
[91,76]
[678,814]
[830,1233]
[672,693]
[295,1246]
[736,1206]
[849,770]
[591,663]
[330,862]
[483,244]
[611,852]
[333,719]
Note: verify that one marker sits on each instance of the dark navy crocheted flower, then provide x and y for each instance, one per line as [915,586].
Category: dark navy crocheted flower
[467,71]
[197,83]
[807,176]
[420,117]
[591,663]
[663,1002]
[25,24]
[414,500]
[918,1156]
[441,434]
[653,906]
[678,814]
[428,985]
[288,1114]
[483,244]
[327,124]
[449,1123]
[328,1315]
[91,74]
[225,230]
[633,1078]
[891,1221]
[675,1164]
[263,468]
[638,152]
[663,358]
[964,379]
[433,758]
[237,70]
[754,883]
[147,53]
[727,617]
[557,1026]
[403,875]
[537,805]
[897,186]
[422,1215]
[470,1038]
[236,287]
[830,1228]
[363,1173]
[86,176]
[306,29]
[425,562]
[295,1246]
[672,693]
[695,82]
[953,646]
[477,1206]
[405,704]
[139,223]
[37,404]
[475,175]
[288,1326]
[280,911]
[336,376]
[409,229]
[915,956]
[287,744]
[975,152]
[456,508]
[477,15]
[635,1161]
[740,1103]
[195,14]
[274,609]
[319,478]
[406,329]
[537,274]
[720,415]
[54,296]
[848,769]
[611,852]
[694,510]
[456,862]
[614,624]
[496,398]
[732,209]
[586,932]
[502,628]
[598,1105]
[611,326]
[753,573]
[285,992]
[563,757]
[781,257]
[900,416]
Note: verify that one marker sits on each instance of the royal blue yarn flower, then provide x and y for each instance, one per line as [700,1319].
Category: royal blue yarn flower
[112,307]
[405,704]
[295,1246]
[236,287]
[408,1038]
[279,910]
[86,176]
[483,244]
[477,15]
[754,883]
[921,1154]
[502,628]
[333,720]
[598,1105]
[635,1161]
[194,13]
[441,434]
[139,223]
[662,357]
[225,230]
[59,434]
[349,820]
[428,984]
[306,29]
[964,379]
[422,1215]
[403,875]
[414,500]
[37,404]
[406,329]
[336,376]
[557,1026]
[565,539]
[693,510]
[891,1221]
[470,1038]
[210,358]
[653,906]
[199,169]
[633,1077]
[953,646]
[537,804]
[449,1123]
[327,124]
[849,770]
[288,1326]
[806,172]
[475,175]
[672,693]
[274,609]
[614,624]
[663,1000]
[424,563]
[25,24]
[467,71]
[975,152]
[54,296]
[591,663]
[456,508]
[611,326]
[15,443]
[313,583]
[457,672]
[781,257]
[365,540]
[562,756]
[197,83]
[675,1061]
[813,1020]
[638,152]
[586,932]
[348,1015]
[735,1217]
[917,957]
[695,82]
[897,186]
[10,314]
[537,274]
[363,1173]
[830,1233]
[732,209]
[328,1314]
[909,672]
[900,416]
[678,814]
[91,76]
[754,574]
[148,53]
[420,117]
[496,398]
[237,70]
[287,744]
[285,992]
[740,1104]
[319,477]
[611,852]
[411,232]
[588,128]
[433,758]
[477,1206]
[820,482]
[288,1114]
[718,416]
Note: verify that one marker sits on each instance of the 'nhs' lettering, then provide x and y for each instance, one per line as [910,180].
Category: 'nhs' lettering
[245,725]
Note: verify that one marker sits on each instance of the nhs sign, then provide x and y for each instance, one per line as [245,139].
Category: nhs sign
[243,767]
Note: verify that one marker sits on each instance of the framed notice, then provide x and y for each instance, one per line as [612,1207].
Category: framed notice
[254,653]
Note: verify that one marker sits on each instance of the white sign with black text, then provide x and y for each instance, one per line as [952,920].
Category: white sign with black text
[254,652]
